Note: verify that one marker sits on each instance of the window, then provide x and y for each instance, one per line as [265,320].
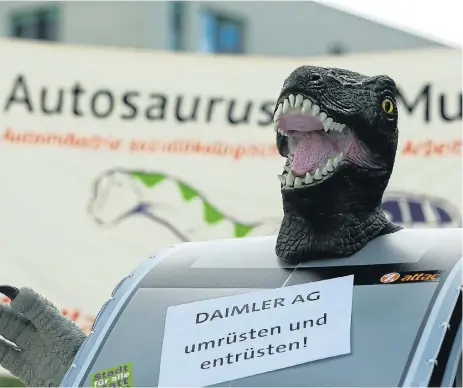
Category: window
[221,34]
[37,23]
[177,22]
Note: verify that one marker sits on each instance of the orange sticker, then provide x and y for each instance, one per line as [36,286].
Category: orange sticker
[390,277]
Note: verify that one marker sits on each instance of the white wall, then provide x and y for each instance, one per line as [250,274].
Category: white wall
[308,28]
[273,28]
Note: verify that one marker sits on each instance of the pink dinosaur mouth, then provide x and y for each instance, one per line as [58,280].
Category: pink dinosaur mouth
[317,144]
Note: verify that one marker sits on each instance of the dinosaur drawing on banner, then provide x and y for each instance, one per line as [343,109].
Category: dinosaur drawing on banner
[171,202]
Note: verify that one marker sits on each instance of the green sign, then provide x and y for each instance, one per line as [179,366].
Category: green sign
[118,376]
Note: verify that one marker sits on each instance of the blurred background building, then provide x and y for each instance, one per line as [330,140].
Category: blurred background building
[263,28]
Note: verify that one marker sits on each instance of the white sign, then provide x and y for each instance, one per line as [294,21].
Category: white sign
[233,337]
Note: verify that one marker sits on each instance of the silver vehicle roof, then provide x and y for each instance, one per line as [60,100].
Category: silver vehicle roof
[395,327]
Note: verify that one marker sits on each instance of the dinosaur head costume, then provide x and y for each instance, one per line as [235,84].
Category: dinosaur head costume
[338,132]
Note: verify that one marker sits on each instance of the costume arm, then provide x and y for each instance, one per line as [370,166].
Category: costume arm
[42,342]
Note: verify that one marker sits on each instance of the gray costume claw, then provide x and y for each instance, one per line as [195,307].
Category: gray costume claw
[46,341]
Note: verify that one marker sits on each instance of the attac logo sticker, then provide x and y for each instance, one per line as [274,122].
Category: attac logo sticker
[411,277]
[390,277]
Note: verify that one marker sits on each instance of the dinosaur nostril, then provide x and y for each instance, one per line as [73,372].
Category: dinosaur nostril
[314,77]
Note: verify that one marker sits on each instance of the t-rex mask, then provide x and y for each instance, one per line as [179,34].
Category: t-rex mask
[338,132]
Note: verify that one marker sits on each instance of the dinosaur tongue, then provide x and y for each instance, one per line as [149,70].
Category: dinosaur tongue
[311,151]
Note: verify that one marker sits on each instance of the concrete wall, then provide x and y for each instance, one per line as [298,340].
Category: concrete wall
[272,28]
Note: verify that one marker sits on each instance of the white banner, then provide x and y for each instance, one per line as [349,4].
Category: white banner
[109,156]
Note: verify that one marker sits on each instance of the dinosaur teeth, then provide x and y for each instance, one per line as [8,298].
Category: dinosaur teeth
[277,115]
[297,182]
[327,124]
[306,105]
[289,179]
[285,106]
[291,99]
[318,174]
[297,104]
[329,165]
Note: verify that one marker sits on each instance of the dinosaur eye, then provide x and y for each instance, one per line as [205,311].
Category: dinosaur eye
[388,106]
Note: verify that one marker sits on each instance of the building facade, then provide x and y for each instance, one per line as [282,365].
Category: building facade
[243,27]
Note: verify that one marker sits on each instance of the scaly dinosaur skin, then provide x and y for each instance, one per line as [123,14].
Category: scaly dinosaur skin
[343,124]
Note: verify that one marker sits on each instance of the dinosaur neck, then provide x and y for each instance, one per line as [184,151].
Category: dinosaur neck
[332,220]
[300,240]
